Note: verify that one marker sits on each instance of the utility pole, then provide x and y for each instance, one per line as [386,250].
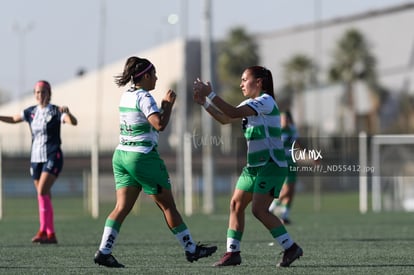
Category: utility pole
[206,74]
[96,136]
[183,153]
[318,59]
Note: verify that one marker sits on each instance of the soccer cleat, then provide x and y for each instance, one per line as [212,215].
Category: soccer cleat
[39,237]
[106,260]
[50,239]
[200,252]
[290,255]
[229,259]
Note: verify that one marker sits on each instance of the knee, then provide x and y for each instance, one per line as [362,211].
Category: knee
[121,211]
[232,205]
[235,206]
[255,212]
[259,213]
[42,190]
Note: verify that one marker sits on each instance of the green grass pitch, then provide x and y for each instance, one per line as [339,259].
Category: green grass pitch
[336,240]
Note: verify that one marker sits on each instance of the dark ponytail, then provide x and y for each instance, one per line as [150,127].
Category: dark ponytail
[134,69]
[266,76]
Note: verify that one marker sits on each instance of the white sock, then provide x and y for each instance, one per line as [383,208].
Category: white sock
[108,240]
[233,245]
[186,241]
[284,240]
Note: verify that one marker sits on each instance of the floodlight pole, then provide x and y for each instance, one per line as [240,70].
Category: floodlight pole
[206,74]
[318,56]
[183,153]
[99,91]
[1,181]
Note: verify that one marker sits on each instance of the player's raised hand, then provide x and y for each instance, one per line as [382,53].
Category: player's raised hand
[198,98]
[170,97]
[64,109]
[202,88]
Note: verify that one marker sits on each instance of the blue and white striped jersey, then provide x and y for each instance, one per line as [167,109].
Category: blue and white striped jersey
[45,128]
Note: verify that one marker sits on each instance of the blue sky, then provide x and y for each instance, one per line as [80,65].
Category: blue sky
[56,38]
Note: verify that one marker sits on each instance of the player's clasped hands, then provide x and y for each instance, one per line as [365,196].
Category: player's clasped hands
[200,91]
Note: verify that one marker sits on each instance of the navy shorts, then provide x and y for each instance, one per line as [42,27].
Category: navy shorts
[53,166]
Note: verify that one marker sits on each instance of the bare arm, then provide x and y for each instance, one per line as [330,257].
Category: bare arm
[11,119]
[231,111]
[211,109]
[160,120]
[218,115]
[201,90]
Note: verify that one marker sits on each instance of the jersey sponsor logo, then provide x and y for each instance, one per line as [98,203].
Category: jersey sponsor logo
[126,127]
[257,103]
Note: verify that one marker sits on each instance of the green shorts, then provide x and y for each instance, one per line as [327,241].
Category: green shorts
[267,179]
[146,171]
[292,173]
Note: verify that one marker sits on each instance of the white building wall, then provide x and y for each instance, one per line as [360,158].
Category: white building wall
[82,97]
[389,33]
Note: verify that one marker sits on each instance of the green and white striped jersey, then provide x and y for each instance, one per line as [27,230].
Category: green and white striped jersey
[263,133]
[136,133]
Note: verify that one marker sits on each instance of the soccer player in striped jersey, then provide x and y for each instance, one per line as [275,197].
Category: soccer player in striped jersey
[289,136]
[137,165]
[263,176]
[46,155]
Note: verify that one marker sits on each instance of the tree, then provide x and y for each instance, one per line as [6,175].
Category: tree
[299,72]
[353,61]
[237,51]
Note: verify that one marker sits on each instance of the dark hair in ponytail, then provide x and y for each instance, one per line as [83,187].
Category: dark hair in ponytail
[266,76]
[134,69]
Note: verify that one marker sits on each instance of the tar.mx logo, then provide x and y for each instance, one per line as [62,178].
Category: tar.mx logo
[199,140]
[304,154]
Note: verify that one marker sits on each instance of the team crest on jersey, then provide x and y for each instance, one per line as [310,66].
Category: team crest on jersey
[48,117]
